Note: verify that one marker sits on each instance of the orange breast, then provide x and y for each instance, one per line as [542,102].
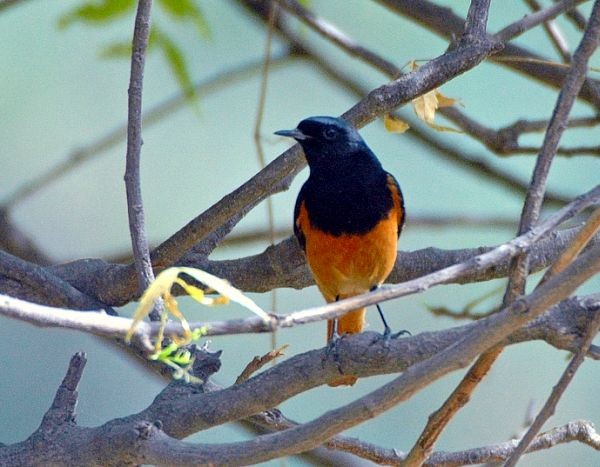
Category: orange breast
[348,265]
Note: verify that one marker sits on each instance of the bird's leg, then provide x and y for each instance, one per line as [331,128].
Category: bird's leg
[387,331]
[332,346]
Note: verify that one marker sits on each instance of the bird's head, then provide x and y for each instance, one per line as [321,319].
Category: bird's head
[327,141]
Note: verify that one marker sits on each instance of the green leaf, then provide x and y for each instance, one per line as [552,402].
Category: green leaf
[187,10]
[176,62]
[116,50]
[122,49]
[96,12]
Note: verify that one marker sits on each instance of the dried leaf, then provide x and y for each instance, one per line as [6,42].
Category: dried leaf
[442,128]
[426,105]
[444,101]
[161,289]
[394,124]
[226,289]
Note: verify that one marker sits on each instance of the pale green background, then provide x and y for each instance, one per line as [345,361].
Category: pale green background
[57,95]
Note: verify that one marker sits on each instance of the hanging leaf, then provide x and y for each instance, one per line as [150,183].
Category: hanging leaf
[394,124]
[161,289]
[187,10]
[96,12]
[426,105]
[176,62]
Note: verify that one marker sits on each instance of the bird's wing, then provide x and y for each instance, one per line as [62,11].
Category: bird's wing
[394,188]
[297,224]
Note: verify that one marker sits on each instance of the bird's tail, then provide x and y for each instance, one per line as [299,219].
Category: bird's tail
[351,323]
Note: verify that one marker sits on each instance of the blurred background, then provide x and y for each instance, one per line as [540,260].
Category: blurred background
[59,94]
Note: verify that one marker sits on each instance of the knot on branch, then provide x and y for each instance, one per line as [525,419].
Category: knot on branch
[145,430]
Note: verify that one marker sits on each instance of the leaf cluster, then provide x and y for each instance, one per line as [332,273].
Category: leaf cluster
[100,13]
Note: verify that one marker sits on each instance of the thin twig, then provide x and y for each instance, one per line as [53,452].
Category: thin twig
[553,32]
[339,38]
[581,431]
[583,237]
[258,362]
[273,12]
[550,406]
[576,18]
[445,23]
[135,206]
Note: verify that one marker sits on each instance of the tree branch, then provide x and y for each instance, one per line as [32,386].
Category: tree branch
[519,265]
[40,282]
[554,33]
[445,23]
[183,410]
[135,207]
[535,196]
[557,392]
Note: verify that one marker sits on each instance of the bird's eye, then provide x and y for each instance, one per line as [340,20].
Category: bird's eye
[329,133]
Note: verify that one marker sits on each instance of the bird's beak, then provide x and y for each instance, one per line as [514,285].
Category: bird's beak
[295,133]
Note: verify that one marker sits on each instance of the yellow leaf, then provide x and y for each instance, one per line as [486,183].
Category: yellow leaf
[394,124]
[161,288]
[161,285]
[444,101]
[227,290]
[442,128]
[193,291]
[426,105]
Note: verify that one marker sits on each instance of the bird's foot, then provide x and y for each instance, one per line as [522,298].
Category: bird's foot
[388,335]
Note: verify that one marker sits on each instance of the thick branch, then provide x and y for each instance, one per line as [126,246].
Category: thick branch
[362,354]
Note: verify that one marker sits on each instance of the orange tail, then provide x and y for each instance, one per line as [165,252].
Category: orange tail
[351,323]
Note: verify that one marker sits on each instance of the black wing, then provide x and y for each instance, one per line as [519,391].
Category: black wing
[394,188]
[297,231]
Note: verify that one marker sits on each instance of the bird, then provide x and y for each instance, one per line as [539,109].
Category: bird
[347,218]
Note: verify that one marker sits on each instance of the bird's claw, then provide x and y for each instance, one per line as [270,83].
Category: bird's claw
[387,335]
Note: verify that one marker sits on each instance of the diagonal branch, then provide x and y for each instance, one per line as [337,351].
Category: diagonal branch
[36,278]
[557,392]
[591,226]
[553,32]
[445,23]
[182,416]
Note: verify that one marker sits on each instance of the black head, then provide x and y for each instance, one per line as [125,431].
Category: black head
[328,141]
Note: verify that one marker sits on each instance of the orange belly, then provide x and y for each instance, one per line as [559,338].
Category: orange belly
[349,265]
